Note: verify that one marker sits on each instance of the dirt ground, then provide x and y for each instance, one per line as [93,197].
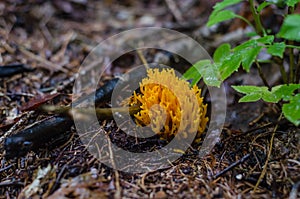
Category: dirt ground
[53,37]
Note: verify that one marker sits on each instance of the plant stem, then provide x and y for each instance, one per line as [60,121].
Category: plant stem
[262,76]
[281,68]
[258,25]
[292,64]
[292,46]
[297,73]
[291,53]
[245,20]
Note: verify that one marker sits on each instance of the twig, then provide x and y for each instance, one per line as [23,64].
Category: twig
[102,113]
[5,168]
[42,60]
[174,9]
[268,156]
[294,191]
[262,76]
[292,64]
[281,68]
[232,166]
[143,59]
[298,71]
[12,69]
[11,183]
[256,119]
[117,176]
[15,126]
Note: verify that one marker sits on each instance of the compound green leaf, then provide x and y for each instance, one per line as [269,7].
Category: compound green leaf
[252,93]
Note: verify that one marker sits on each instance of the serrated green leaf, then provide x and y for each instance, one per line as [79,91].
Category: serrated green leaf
[292,3]
[221,52]
[248,51]
[251,97]
[285,91]
[268,96]
[248,44]
[250,89]
[253,93]
[224,4]
[229,65]
[220,16]
[248,57]
[292,110]
[277,49]
[290,28]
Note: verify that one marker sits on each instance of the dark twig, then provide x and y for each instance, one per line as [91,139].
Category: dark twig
[279,61]
[262,76]
[13,69]
[6,168]
[11,183]
[232,166]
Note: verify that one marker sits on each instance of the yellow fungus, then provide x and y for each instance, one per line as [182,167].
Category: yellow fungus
[168,104]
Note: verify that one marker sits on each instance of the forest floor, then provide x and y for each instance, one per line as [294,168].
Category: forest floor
[54,37]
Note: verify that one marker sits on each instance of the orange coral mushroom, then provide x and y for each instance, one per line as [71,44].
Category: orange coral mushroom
[179,105]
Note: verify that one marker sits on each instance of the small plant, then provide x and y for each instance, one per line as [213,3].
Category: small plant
[279,45]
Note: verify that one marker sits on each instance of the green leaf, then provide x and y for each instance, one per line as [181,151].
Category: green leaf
[253,93]
[253,97]
[248,44]
[192,74]
[250,89]
[292,110]
[205,69]
[248,57]
[221,52]
[221,5]
[277,49]
[285,91]
[268,96]
[229,65]
[266,39]
[290,28]
[220,17]
[248,51]
[292,3]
